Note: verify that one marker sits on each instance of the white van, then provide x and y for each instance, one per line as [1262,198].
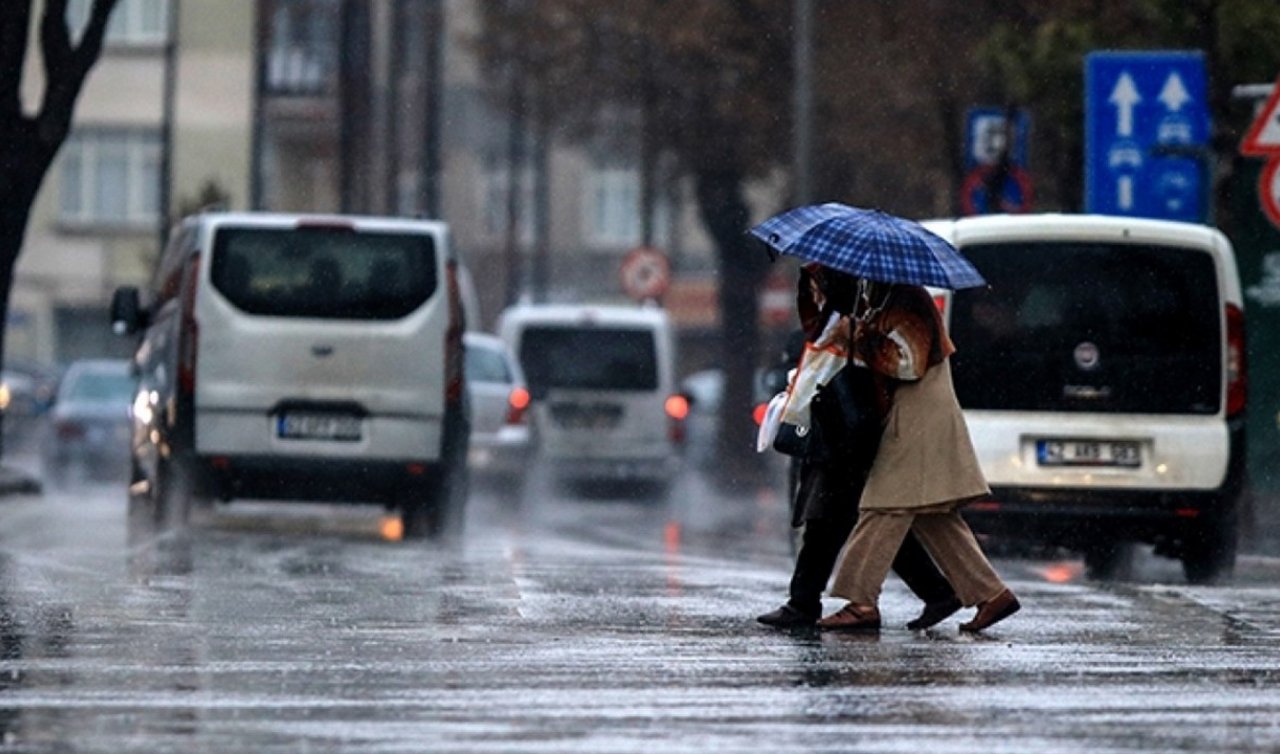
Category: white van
[603,385]
[302,357]
[1102,374]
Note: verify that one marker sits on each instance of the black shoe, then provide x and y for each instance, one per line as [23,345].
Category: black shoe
[788,617]
[934,613]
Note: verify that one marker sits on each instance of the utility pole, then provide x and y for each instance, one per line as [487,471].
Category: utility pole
[433,84]
[516,107]
[165,202]
[802,105]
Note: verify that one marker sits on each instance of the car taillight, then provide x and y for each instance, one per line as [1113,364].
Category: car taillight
[517,404]
[677,410]
[188,339]
[757,413]
[1237,362]
[454,378]
[677,407]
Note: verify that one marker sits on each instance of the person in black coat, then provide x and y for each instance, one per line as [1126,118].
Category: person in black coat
[830,476]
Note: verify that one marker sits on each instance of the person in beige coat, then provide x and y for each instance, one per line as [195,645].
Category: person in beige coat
[924,471]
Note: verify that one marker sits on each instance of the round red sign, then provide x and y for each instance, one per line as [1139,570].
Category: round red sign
[645,273]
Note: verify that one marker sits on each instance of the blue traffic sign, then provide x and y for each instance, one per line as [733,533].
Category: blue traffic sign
[989,134]
[1146,131]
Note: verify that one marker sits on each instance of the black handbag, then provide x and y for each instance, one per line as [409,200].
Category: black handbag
[845,421]
[793,440]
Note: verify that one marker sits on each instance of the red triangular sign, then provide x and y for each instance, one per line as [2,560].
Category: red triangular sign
[1263,138]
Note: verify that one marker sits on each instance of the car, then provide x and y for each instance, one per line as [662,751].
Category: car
[302,357]
[1102,375]
[602,379]
[502,433]
[89,423]
[27,392]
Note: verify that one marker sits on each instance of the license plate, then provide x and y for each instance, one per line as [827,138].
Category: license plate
[304,426]
[591,416]
[1124,453]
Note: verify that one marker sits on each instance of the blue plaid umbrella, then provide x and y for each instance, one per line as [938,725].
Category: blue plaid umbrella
[869,244]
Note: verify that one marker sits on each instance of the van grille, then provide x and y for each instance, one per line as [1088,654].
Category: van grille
[1095,327]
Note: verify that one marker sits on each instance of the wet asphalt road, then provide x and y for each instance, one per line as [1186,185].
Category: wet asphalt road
[582,625]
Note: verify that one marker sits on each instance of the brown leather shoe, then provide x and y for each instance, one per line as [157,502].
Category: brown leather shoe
[993,611]
[852,617]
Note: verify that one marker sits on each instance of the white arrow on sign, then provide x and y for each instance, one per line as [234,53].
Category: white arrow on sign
[1124,192]
[1124,96]
[1174,93]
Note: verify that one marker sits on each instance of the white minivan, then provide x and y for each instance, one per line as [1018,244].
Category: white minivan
[603,384]
[302,357]
[1102,375]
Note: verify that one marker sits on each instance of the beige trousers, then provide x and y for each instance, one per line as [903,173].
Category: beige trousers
[874,543]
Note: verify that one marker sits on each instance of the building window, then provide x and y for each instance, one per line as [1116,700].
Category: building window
[303,47]
[613,208]
[111,178]
[133,22]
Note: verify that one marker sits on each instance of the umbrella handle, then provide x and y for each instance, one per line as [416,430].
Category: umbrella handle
[864,297]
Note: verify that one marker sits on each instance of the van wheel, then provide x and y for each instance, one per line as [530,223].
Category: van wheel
[1209,553]
[436,509]
[417,514]
[1109,561]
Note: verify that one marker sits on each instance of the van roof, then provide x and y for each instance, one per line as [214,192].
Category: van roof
[295,219]
[604,314]
[1059,226]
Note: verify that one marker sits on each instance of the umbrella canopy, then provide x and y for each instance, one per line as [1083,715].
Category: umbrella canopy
[869,244]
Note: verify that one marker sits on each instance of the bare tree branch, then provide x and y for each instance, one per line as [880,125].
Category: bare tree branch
[55,40]
[91,43]
[15,24]
[67,67]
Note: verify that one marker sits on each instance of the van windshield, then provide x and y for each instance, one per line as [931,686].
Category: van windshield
[1089,327]
[599,358]
[330,273]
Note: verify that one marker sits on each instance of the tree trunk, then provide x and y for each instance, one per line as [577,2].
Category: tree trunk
[726,216]
[14,212]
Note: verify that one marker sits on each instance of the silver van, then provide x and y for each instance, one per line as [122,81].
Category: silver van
[302,357]
[1102,374]
[603,386]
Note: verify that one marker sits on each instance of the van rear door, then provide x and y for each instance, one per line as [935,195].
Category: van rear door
[321,339]
[601,385]
[1090,326]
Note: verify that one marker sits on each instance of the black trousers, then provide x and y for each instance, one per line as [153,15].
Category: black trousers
[820,546]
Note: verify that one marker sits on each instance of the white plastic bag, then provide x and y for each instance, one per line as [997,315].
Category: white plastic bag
[771,423]
[821,361]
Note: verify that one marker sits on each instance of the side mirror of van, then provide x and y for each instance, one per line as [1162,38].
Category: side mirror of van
[127,315]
